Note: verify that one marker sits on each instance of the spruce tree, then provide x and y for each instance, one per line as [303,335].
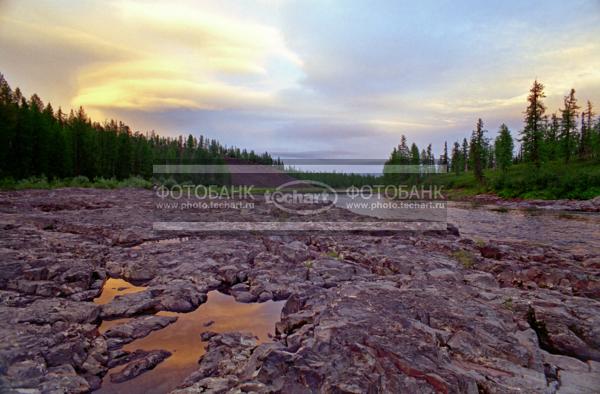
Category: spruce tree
[551,139]
[456,162]
[568,137]
[415,158]
[403,151]
[587,132]
[444,158]
[532,134]
[465,155]
[477,150]
[503,148]
[430,156]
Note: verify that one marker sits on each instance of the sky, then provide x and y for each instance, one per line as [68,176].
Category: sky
[303,79]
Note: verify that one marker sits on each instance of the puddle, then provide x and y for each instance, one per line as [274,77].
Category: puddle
[114,287]
[182,339]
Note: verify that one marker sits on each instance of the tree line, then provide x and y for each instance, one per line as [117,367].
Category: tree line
[36,140]
[567,136]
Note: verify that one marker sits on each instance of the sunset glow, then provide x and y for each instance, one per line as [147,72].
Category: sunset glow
[280,71]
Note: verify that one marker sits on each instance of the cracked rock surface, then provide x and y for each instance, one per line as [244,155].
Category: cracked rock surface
[391,312]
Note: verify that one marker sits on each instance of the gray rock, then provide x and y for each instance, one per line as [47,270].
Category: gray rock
[140,365]
[136,328]
[131,304]
[387,312]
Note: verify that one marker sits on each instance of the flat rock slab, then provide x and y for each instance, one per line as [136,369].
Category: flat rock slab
[140,365]
[138,327]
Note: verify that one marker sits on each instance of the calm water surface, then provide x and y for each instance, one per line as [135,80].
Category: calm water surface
[576,232]
[182,338]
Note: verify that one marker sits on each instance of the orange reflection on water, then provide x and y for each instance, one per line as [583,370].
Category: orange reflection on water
[182,339]
[114,287]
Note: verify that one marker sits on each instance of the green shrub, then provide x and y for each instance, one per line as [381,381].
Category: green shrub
[551,180]
[136,182]
[33,183]
[103,183]
[80,181]
[464,257]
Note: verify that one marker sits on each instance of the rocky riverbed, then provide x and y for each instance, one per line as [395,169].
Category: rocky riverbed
[415,312]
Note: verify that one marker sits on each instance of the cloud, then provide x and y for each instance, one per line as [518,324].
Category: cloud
[39,34]
[190,60]
[149,86]
[313,76]
[157,55]
[229,44]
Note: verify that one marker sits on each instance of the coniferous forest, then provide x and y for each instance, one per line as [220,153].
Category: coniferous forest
[558,155]
[37,140]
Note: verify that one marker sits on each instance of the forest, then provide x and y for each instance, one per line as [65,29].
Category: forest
[37,141]
[558,155]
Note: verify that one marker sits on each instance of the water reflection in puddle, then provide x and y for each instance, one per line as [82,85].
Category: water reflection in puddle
[182,339]
[114,287]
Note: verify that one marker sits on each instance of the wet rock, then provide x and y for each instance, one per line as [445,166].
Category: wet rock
[140,365]
[225,356]
[231,274]
[244,296]
[119,356]
[136,328]
[206,335]
[240,287]
[208,385]
[138,272]
[131,304]
[180,296]
[265,296]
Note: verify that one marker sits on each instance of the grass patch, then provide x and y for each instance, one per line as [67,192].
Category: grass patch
[464,257]
[551,181]
[333,254]
[79,181]
[480,243]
